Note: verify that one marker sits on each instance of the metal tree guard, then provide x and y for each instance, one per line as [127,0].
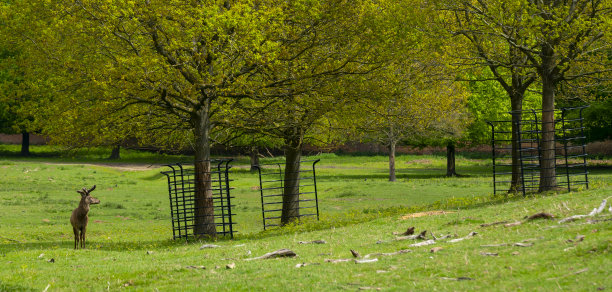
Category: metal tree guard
[570,150]
[181,190]
[271,190]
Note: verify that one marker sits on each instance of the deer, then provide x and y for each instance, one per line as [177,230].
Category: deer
[79,217]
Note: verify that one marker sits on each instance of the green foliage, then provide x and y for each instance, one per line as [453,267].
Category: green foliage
[598,120]
[488,101]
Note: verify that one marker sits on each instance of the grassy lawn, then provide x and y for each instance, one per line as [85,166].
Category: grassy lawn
[130,245]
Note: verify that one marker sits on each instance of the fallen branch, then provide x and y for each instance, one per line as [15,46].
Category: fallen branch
[281,253]
[492,254]
[600,209]
[595,211]
[472,234]
[409,231]
[574,273]
[320,241]
[523,244]
[513,224]
[366,261]
[305,264]
[195,267]
[458,278]
[415,236]
[572,218]
[435,249]
[541,215]
[495,245]
[9,239]
[387,253]
[337,260]
[494,223]
[209,246]
[428,242]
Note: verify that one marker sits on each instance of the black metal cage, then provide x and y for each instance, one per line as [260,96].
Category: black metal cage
[271,179]
[570,150]
[183,210]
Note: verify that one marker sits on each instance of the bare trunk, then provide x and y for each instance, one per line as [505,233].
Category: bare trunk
[25,144]
[254,153]
[204,225]
[115,153]
[291,190]
[392,162]
[517,116]
[548,179]
[450,159]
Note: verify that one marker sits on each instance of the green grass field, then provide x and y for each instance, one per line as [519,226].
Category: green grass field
[130,242]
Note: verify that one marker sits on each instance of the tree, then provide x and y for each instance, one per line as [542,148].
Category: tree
[322,43]
[406,104]
[550,38]
[482,45]
[176,64]
[13,117]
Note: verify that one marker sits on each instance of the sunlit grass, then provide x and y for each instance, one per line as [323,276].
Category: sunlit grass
[129,237]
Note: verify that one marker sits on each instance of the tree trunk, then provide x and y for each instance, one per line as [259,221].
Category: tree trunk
[450,160]
[548,179]
[115,153]
[291,190]
[516,101]
[392,162]
[25,144]
[254,153]
[204,225]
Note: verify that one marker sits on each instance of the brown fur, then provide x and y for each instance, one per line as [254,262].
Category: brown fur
[79,217]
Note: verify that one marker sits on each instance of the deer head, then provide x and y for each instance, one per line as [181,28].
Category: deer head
[86,196]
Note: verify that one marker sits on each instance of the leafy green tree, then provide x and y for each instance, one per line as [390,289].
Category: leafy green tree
[322,42]
[175,64]
[557,41]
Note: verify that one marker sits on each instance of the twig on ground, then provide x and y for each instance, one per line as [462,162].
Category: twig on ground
[275,254]
[9,239]
[492,254]
[414,236]
[472,234]
[493,224]
[319,241]
[513,224]
[366,261]
[568,275]
[427,242]
[600,209]
[337,260]
[387,253]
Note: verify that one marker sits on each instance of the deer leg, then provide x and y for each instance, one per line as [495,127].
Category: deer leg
[76,236]
[83,236]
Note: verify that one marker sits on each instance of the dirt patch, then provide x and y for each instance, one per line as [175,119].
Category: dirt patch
[423,214]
